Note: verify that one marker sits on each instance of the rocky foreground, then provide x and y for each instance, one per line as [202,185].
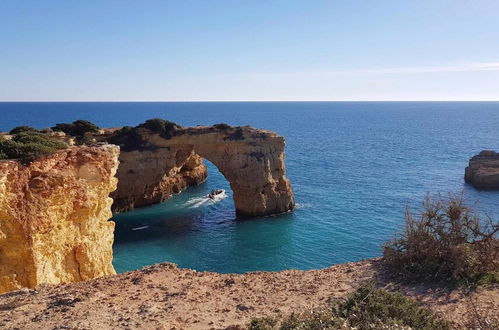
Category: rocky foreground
[166,297]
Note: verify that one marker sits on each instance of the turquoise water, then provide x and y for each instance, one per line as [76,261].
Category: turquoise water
[354,167]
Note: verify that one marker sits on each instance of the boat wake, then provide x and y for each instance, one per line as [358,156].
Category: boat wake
[140,228]
[205,201]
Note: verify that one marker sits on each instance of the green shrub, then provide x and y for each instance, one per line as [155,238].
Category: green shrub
[131,138]
[20,129]
[37,138]
[369,306]
[128,138]
[314,319]
[77,129]
[29,145]
[262,323]
[236,135]
[366,308]
[446,241]
[222,126]
[165,128]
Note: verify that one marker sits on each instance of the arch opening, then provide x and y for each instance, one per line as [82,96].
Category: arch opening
[251,160]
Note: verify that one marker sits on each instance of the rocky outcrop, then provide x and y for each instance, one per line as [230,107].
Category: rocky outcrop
[156,163]
[54,210]
[148,177]
[54,215]
[483,171]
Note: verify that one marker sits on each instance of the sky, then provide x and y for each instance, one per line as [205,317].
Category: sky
[252,50]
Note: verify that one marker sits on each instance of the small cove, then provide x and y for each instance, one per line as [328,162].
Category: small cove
[354,167]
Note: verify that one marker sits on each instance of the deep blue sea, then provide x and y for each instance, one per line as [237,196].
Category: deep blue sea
[354,167]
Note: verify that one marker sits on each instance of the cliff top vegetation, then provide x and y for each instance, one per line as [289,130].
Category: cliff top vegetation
[77,128]
[130,138]
[366,308]
[28,145]
[446,241]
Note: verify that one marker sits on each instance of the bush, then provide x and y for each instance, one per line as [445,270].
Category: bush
[262,323]
[128,138]
[165,128]
[20,129]
[236,135]
[369,306]
[37,138]
[77,129]
[131,138]
[366,308]
[222,126]
[446,241]
[29,145]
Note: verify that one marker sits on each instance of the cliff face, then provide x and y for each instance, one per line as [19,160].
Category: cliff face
[151,176]
[251,160]
[483,171]
[54,215]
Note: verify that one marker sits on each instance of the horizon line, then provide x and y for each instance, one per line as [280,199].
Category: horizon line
[228,101]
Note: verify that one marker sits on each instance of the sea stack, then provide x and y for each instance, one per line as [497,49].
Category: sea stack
[483,171]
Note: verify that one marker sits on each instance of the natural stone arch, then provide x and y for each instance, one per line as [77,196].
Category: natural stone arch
[251,160]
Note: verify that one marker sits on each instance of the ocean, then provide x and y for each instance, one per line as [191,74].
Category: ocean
[354,166]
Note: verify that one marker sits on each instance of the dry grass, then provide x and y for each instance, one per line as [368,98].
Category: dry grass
[446,241]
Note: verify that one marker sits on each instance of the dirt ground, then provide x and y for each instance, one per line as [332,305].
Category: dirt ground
[166,297]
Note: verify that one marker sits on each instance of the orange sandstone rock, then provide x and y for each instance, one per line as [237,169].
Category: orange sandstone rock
[54,216]
[252,161]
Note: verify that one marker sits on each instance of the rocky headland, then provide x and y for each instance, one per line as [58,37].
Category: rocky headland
[55,202]
[483,171]
[54,216]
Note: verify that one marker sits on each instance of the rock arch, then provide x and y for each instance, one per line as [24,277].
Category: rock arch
[251,160]
[54,211]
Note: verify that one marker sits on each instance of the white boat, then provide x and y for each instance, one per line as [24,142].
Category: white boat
[216,193]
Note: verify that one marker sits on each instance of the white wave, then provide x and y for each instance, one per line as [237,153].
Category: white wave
[140,228]
[205,201]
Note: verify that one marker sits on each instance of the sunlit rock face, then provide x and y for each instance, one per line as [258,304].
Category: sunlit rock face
[149,177]
[156,164]
[483,171]
[54,216]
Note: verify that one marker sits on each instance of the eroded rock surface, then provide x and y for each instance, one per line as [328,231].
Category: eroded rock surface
[483,171]
[54,215]
[156,164]
[151,176]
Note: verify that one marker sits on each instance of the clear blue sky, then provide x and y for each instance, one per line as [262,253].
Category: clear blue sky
[249,50]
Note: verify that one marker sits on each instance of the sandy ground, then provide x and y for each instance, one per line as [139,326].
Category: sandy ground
[166,297]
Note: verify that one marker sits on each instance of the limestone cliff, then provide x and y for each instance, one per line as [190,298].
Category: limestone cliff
[148,177]
[156,163]
[483,171]
[54,215]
